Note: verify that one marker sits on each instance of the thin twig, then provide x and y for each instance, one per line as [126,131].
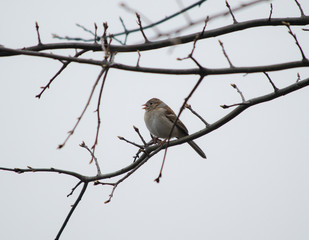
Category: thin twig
[297,21]
[212,17]
[115,185]
[95,32]
[85,29]
[188,106]
[194,46]
[139,22]
[93,157]
[65,64]
[225,54]
[55,170]
[230,116]
[189,71]
[139,57]
[70,133]
[143,17]
[125,31]
[98,113]
[72,210]
[105,45]
[165,19]
[240,93]
[140,136]
[128,141]
[298,77]
[169,33]
[95,183]
[233,105]
[74,188]
[300,9]
[174,124]
[296,41]
[38,33]
[231,12]
[270,12]
[155,149]
[271,82]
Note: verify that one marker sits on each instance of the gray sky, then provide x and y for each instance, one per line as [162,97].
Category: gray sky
[254,184]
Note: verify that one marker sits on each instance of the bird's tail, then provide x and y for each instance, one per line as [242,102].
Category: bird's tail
[197,149]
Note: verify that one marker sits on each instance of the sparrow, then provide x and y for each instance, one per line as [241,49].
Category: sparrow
[159,119]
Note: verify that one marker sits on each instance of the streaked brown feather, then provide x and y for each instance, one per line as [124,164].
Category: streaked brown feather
[169,113]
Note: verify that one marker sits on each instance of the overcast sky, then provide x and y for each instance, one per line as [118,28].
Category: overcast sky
[254,183]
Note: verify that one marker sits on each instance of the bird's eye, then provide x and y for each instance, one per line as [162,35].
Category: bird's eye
[150,103]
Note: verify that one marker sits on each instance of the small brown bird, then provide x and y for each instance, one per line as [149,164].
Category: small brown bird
[159,119]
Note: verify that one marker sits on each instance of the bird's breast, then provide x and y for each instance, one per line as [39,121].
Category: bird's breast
[159,125]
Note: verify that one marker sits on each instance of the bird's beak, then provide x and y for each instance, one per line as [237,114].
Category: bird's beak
[144,106]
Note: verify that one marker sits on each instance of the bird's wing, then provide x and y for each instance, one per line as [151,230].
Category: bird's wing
[170,115]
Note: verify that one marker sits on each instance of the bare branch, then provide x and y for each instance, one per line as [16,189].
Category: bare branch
[169,33]
[144,17]
[55,170]
[271,82]
[298,77]
[190,56]
[98,114]
[225,54]
[115,185]
[224,106]
[152,150]
[70,133]
[300,8]
[165,19]
[240,93]
[160,44]
[296,41]
[85,29]
[215,71]
[211,17]
[64,65]
[82,192]
[270,12]
[139,57]
[93,157]
[145,152]
[134,144]
[139,22]
[74,188]
[125,31]
[38,33]
[140,136]
[180,111]
[193,71]
[231,12]
[188,106]
[95,32]
[105,45]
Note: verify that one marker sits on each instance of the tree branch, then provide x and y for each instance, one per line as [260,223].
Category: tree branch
[71,132]
[192,71]
[82,192]
[154,149]
[297,21]
[54,170]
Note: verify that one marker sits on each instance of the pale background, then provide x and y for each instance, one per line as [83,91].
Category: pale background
[254,184]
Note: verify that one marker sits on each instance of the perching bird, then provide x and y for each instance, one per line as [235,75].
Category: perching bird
[159,119]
